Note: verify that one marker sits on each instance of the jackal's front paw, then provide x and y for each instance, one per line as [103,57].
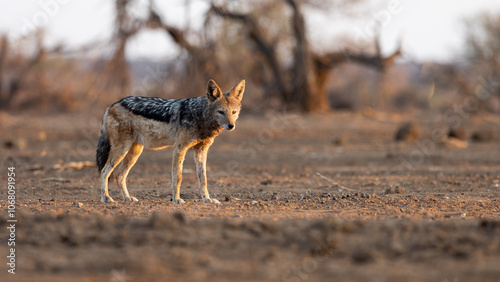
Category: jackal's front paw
[107,199]
[130,199]
[178,201]
[211,201]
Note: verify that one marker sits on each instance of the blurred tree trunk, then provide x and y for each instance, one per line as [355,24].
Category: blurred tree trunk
[305,91]
[324,64]
[117,69]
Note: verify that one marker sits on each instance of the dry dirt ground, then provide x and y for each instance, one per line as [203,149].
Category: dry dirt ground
[378,210]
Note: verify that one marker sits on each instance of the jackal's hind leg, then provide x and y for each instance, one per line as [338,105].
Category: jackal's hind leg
[105,197]
[125,166]
[116,155]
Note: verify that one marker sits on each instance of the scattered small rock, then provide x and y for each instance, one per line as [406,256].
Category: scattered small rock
[253,203]
[275,196]
[390,155]
[78,204]
[35,168]
[395,190]
[165,220]
[15,144]
[485,135]
[73,165]
[340,140]
[459,133]
[9,144]
[452,142]
[489,224]
[408,132]
[56,179]
[266,182]
[180,216]
[42,136]
[362,256]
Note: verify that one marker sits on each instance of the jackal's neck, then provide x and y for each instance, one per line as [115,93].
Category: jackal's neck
[209,125]
[197,114]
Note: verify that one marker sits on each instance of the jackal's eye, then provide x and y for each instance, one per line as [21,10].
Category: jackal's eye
[220,112]
[234,112]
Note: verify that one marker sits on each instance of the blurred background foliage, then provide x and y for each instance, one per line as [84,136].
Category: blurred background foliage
[265,42]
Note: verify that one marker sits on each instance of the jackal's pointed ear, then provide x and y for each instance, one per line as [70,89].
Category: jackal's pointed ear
[213,91]
[237,90]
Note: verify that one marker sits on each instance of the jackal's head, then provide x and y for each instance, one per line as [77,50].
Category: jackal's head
[225,107]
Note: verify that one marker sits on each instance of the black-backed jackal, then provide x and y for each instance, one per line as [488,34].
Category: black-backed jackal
[135,123]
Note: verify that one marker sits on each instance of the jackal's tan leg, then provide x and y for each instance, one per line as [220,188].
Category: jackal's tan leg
[116,155]
[125,166]
[200,158]
[177,162]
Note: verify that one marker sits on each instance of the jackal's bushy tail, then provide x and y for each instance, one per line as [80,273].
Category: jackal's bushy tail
[103,148]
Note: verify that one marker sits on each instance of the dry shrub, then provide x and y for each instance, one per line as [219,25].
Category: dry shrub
[33,77]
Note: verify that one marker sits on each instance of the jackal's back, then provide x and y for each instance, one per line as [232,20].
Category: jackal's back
[182,111]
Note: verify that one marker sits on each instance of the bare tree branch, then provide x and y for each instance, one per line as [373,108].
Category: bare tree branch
[126,27]
[203,60]
[154,21]
[267,49]
[378,62]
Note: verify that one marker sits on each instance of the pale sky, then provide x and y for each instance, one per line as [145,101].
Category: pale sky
[430,29]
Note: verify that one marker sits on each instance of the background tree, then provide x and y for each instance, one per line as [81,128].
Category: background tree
[303,84]
[481,67]
[14,69]
[275,29]
[482,38]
